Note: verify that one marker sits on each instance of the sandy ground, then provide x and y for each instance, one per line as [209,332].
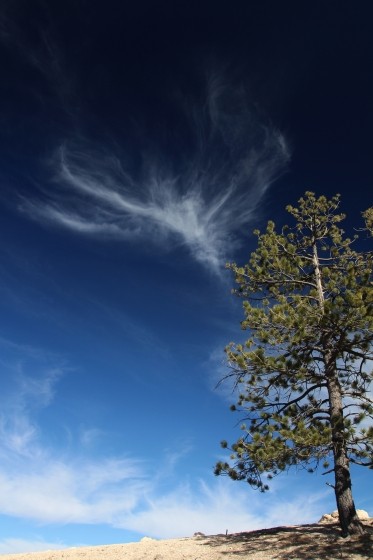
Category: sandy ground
[303,542]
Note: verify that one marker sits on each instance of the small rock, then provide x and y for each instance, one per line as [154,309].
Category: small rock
[333,517]
[362,514]
[326,518]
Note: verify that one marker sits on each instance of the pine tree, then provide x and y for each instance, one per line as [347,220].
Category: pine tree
[303,376]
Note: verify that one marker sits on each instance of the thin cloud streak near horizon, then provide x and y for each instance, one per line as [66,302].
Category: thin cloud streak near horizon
[200,202]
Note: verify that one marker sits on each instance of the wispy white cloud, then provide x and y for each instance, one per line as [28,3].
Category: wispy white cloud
[45,58]
[89,436]
[64,491]
[200,201]
[47,485]
[218,506]
[212,508]
[26,395]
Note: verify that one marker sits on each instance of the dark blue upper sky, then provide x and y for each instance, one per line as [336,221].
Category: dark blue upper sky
[140,144]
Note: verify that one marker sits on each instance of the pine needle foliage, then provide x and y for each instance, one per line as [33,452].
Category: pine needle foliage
[303,376]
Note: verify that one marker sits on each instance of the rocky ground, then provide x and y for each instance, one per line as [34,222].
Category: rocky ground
[304,542]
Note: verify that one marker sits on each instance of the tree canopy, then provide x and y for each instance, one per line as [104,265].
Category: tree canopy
[303,376]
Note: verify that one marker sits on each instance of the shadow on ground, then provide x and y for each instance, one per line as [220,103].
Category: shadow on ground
[308,542]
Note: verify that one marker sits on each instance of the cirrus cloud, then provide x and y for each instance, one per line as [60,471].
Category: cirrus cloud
[200,200]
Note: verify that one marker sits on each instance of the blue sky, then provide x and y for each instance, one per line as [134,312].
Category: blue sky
[140,146]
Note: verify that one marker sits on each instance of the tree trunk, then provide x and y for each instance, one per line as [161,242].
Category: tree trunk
[348,518]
